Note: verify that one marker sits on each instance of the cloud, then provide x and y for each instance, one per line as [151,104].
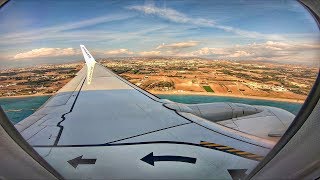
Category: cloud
[208,51]
[286,52]
[127,52]
[239,54]
[149,53]
[269,50]
[60,31]
[178,17]
[119,52]
[171,15]
[46,52]
[179,45]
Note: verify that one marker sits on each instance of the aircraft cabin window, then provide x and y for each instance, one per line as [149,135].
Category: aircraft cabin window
[136,89]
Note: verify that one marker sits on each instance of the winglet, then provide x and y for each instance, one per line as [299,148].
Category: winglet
[89,61]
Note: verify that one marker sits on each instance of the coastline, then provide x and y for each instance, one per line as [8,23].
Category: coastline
[298,101]
[190,93]
[23,96]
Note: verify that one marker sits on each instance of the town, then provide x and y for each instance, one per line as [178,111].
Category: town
[175,75]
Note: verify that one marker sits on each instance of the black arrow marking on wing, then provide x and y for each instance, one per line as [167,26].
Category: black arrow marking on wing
[78,160]
[150,159]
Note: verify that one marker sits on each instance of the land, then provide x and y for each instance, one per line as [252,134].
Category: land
[174,75]
[38,80]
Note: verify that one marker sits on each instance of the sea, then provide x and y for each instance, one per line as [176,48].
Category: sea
[19,108]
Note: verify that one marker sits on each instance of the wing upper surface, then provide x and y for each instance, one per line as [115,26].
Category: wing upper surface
[106,110]
[109,109]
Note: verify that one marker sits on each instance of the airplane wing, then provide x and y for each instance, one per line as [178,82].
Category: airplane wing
[100,125]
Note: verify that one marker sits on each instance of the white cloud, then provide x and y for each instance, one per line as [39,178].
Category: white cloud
[179,45]
[171,14]
[149,53]
[59,31]
[209,51]
[178,17]
[239,54]
[127,52]
[119,52]
[270,50]
[46,52]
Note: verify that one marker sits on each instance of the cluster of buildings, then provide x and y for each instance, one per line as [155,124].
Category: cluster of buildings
[261,86]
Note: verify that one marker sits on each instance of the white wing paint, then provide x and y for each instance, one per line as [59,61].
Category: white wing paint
[90,62]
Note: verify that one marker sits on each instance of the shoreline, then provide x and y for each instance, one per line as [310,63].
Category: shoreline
[186,93]
[191,94]
[23,96]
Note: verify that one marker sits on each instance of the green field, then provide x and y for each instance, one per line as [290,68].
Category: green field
[208,88]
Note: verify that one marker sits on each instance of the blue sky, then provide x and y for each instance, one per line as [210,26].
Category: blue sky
[34,32]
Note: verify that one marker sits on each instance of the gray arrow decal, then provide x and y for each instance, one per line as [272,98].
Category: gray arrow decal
[78,160]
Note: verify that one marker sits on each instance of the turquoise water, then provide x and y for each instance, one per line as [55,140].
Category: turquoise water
[19,108]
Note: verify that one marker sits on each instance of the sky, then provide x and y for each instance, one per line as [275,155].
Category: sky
[34,32]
